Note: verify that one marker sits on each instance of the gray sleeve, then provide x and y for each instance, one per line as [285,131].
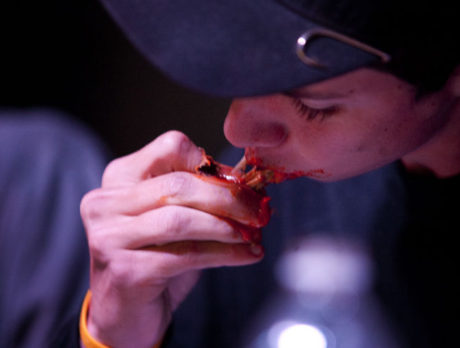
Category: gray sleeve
[47,163]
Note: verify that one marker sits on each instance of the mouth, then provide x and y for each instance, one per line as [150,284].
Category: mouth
[275,173]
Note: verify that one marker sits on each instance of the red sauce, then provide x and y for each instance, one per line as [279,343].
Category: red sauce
[235,181]
[211,168]
[280,174]
[257,202]
[265,211]
[248,233]
[251,157]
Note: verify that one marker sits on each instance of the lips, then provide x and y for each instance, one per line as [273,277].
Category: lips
[278,174]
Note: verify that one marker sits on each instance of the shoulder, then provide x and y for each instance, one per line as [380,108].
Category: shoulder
[25,130]
[40,140]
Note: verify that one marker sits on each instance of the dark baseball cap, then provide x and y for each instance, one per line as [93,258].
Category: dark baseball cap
[253,47]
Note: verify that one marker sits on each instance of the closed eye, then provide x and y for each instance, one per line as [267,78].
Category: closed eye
[310,113]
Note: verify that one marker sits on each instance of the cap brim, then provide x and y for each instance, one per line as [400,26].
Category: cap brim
[232,47]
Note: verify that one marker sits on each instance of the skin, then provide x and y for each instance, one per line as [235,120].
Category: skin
[369,119]
[153,225]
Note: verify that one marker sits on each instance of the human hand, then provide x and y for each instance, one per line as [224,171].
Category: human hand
[151,227]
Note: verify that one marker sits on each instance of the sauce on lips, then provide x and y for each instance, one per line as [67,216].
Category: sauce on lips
[279,174]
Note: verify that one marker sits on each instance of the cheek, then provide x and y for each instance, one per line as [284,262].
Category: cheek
[389,133]
[383,140]
[332,149]
[354,142]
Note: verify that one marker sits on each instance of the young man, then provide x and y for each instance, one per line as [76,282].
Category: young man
[325,89]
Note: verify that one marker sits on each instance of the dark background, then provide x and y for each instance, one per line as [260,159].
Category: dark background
[70,55]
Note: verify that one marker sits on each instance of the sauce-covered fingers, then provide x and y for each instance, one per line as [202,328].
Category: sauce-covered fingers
[152,225]
[222,199]
[166,225]
[171,151]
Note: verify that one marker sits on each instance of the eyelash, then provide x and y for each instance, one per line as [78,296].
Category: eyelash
[311,113]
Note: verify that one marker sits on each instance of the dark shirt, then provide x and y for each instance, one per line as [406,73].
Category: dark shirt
[47,163]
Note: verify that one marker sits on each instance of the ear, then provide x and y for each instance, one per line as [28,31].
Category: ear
[453,83]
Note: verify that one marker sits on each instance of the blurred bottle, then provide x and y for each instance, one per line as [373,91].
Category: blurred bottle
[326,300]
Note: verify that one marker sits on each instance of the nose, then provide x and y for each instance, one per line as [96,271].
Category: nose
[255,122]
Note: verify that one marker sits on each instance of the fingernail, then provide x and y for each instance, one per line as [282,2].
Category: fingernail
[257,249]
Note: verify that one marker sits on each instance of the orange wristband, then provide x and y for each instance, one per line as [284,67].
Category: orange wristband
[87,340]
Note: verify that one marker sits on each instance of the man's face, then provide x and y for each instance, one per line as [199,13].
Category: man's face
[337,128]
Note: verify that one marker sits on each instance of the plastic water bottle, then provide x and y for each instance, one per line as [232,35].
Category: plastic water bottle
[326,300]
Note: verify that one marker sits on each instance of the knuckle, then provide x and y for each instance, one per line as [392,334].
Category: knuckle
[126,272]
[175,222]
[165,270]
[177,184]
[94,205]
[171,223]
[122,274]
[175,142]
[98,248]
[112,169]
[89,208]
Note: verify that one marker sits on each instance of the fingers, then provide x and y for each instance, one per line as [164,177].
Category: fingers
[152,225]
[174,259]
[181,189]
[170,152]
[171,224]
